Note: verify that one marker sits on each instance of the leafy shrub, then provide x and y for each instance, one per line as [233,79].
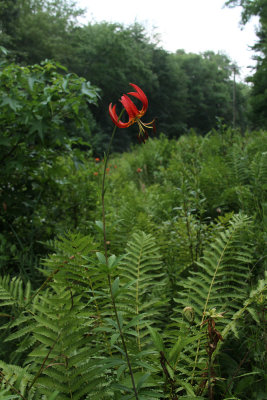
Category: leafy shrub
[43,115]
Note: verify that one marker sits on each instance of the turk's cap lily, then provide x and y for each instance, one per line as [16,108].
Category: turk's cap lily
[133,112]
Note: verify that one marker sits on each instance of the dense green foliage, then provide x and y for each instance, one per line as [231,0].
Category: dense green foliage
[186,233]
[44,114]
[37,29]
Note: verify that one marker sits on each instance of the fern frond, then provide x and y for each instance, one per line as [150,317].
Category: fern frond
[259,169]
[238,161]
[220,282]
[15,298]
[223,271]
[141,271]
[74,267]
[12,292]
[256,295]
[5,394]
[65,357]
[15,376]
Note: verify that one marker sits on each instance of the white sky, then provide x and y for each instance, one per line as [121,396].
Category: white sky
[192,25]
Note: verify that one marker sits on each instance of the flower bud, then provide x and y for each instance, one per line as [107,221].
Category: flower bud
[189,314]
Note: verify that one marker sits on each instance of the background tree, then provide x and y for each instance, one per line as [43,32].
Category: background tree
[37,29]
[9,12]
[209,88]
[258,8]
[169,100]
[195,89]
[111,56]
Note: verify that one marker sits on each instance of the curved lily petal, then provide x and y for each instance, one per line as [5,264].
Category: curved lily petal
[139,94]
[115,118]
[130,107]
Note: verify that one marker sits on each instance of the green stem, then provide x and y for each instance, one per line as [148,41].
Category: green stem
[122,338]
[106,158]
[209,378]
[44,361]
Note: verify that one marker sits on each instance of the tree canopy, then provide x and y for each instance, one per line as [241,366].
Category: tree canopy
[185,90]
[258,97]
[37,29]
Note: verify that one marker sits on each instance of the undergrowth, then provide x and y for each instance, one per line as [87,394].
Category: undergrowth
[173,306]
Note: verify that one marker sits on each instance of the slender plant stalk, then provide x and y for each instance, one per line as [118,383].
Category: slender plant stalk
[44,361]
[106,158]
[210,389]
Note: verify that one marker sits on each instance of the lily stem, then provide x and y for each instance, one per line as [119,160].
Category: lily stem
[106,158]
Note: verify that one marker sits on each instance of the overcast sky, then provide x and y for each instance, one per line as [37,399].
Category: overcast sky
[192,25]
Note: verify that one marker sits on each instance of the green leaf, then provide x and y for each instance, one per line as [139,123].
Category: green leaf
[4,50]
[99,224]
[134,321]
[175,351]
[157,339]
[101,258]
[181,343]
[120,318]
[120,370]
[112,262]
[65,84]
[12,103]
[254,314]
[88,91]
[115,287]
[37,126]
[189,390]
[114,338]
[142,380]
[31,81]
[53,396]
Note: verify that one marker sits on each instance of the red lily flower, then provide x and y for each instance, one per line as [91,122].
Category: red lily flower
[134,114]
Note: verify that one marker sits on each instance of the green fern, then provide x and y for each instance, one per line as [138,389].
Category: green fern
[5,394]
[56,328]
[221,279]
[259,183]
[63,359]
[238,162]
[15,379]
[220,282]
[12,292]
[16,317]
[257,295]
[259,169]
[141,269]
[74,265]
